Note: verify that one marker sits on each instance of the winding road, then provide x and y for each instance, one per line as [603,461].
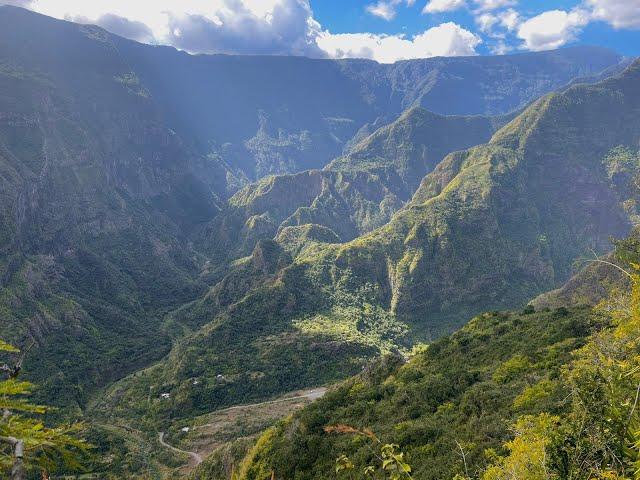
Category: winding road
[195,458]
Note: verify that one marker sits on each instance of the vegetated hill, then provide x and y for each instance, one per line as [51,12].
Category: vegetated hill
[352,195]
[112,153]
[98,196]
[489,228]
[290,114]
[263,115]
[461,395]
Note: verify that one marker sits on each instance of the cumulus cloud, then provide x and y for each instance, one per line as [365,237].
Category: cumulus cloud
[288,27]
[124,27]
[255,27]
[486,22]
[386,9]
[203,26]
[618,13]
[509,19]
[440,6]
[552,29]
[488,5]
[491,23]
[447,39]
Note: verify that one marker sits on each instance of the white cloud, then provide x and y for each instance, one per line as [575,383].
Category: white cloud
[500,48]
[253,27]
[447,39]
[509,19]
[552,29]
[387,9]
[488,5]
[486,22]
[205,26]
[440,6]
[618,13]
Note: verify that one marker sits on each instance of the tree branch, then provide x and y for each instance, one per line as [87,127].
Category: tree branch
[9,440]
[13,372]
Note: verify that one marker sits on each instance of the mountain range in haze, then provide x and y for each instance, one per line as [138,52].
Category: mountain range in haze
[226,229]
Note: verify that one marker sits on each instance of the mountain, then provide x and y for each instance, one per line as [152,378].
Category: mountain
[351,196]
[460,396]
[261,115]
[291,114]
[490,228]
[97,197]
[114,156]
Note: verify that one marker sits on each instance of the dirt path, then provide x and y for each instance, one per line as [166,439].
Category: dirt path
[195,459]
[310,395]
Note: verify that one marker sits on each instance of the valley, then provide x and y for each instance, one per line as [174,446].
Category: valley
[247,266]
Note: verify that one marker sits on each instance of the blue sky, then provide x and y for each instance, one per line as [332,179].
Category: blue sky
[346,16]
[383,30]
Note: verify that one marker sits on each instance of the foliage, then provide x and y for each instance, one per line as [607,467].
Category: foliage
[390,461]
[598,436]
[444,400]
[564,381]
[23,434]
[527,459]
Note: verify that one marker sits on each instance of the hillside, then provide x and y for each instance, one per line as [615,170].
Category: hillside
[97,197]
[489,228]
[460,396]
[114,154]
[354,194]
[261,115]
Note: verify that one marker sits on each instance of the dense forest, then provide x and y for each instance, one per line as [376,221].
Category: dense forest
[448,247]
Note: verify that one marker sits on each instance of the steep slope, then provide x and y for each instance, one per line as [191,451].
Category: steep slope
[496,224]
[352,195]
[464,388]
[264,115]
[112,153]
[490,228]
[97,196]
[283,118]
[460,396]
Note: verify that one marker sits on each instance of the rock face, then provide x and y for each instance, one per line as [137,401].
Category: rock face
[354,194]
[271,115]
[115,157]
[491,227]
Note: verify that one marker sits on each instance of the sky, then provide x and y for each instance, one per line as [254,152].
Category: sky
[382,30]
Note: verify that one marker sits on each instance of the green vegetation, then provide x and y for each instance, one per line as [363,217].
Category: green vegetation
[453,393]
[490,228]
[530,395]
[26,445]
[154,291]
[355,193]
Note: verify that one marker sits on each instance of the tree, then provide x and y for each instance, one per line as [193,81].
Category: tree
[25,443]
[527,459]
[390,462]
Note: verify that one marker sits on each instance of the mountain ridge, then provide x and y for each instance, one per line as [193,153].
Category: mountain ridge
[489,228]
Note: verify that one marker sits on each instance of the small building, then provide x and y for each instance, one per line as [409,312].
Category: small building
[185,429]
[165,395]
